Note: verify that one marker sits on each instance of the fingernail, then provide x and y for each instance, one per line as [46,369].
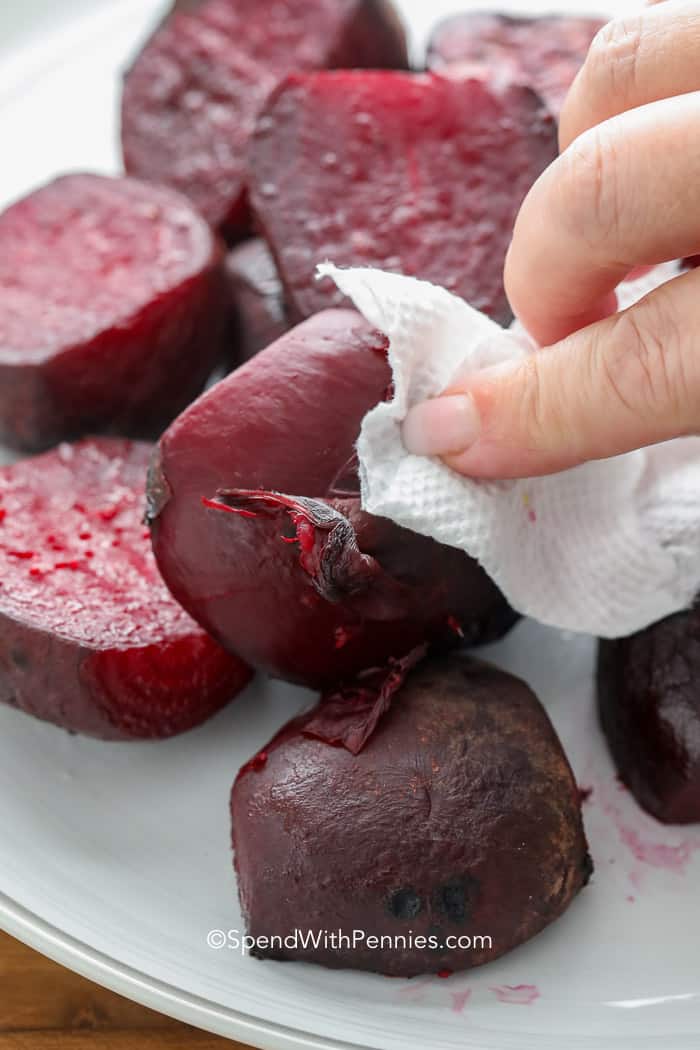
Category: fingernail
[441,426]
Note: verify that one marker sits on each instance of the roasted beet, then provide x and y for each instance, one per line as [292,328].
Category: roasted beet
[544,52]
[192,96]
[89,637]
[649,704]
[112,310]
[418,174]
[257,299]
[458,815]
[305,585]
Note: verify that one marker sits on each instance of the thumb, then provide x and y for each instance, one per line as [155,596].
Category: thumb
[628,381]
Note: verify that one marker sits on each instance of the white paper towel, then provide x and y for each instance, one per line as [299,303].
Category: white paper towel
[606,548]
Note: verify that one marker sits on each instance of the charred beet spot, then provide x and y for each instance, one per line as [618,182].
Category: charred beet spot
[112,310]
[257,299]
[418,174]
[90,639]
[307,585]
[192,96]
[545,53]
[458,815]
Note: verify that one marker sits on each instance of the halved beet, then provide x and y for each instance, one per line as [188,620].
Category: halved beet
[447,810]
[90,638]
[649,705]
[112,310]
[418,174]
[544,52]
[305,585]
[257,299]
[192,96]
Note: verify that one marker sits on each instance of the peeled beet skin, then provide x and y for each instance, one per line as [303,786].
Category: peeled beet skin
[417,174]
[546,52]
[458,815]
[649,705]
[113,310]
[305,585]
[257,299]
[90,638]
[192,96]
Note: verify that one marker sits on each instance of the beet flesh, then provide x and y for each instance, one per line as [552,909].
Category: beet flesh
[257,299]
[459,815]
[304,585]
[112,310]
[649,706]
[418,174]
[192,96]
[543,52]
[90,638]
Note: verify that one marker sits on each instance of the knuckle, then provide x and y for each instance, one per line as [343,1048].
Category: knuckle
[530,406]
[587,191]
[612,65]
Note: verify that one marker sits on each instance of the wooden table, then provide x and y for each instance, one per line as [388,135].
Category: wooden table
[44,1007]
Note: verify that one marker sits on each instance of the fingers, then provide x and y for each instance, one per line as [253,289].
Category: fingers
[624,194]
[628,381]
[633,61]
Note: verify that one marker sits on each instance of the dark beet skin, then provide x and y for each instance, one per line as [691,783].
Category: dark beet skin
[418,174]
[257,299]
[544,52]
[306,586]
[460,816]
[90,638]
[192,96]
[649,706]
[113,310]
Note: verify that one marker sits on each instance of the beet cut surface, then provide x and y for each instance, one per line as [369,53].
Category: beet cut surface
[459,816]
[90,638]
[418,174]
[192,96]
[257,299]
[112,310]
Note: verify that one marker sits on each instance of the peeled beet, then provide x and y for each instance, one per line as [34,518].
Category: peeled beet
[649,705]
[457,816]
[112,310]
[305,585]
[192,96]
[90,638]
[418,174]
[257,299]
[546,52]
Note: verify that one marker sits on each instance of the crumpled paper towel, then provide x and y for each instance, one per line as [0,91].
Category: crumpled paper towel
[605,548]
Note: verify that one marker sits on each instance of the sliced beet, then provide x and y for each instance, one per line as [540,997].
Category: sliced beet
[456,815]
[112,310]
[192,96]
[418,174]
[257,299]
[90,638]
[544,52]
[305,585]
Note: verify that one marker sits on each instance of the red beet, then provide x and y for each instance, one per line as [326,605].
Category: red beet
[192,96]
[419,174]
[448,809]
[90,638]
[306,585]
[112,310]
[546,53]
[257,297]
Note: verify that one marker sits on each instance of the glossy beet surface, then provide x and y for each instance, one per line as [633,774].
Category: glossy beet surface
[305,584]
[459,816]
[112,310]
[649,703]
[192,96]
[546,53]
[90,638]
[417,174]
[257,299]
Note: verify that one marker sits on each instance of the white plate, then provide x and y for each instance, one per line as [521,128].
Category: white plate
[114,859]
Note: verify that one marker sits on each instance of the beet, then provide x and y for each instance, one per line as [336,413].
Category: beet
[90,638]
[418,174]
[305,585]
[649,706]
[545,52]
[192,96]
[112,310]
[257,299]
[458,816]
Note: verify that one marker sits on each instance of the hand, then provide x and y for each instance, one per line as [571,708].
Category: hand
[624,193]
